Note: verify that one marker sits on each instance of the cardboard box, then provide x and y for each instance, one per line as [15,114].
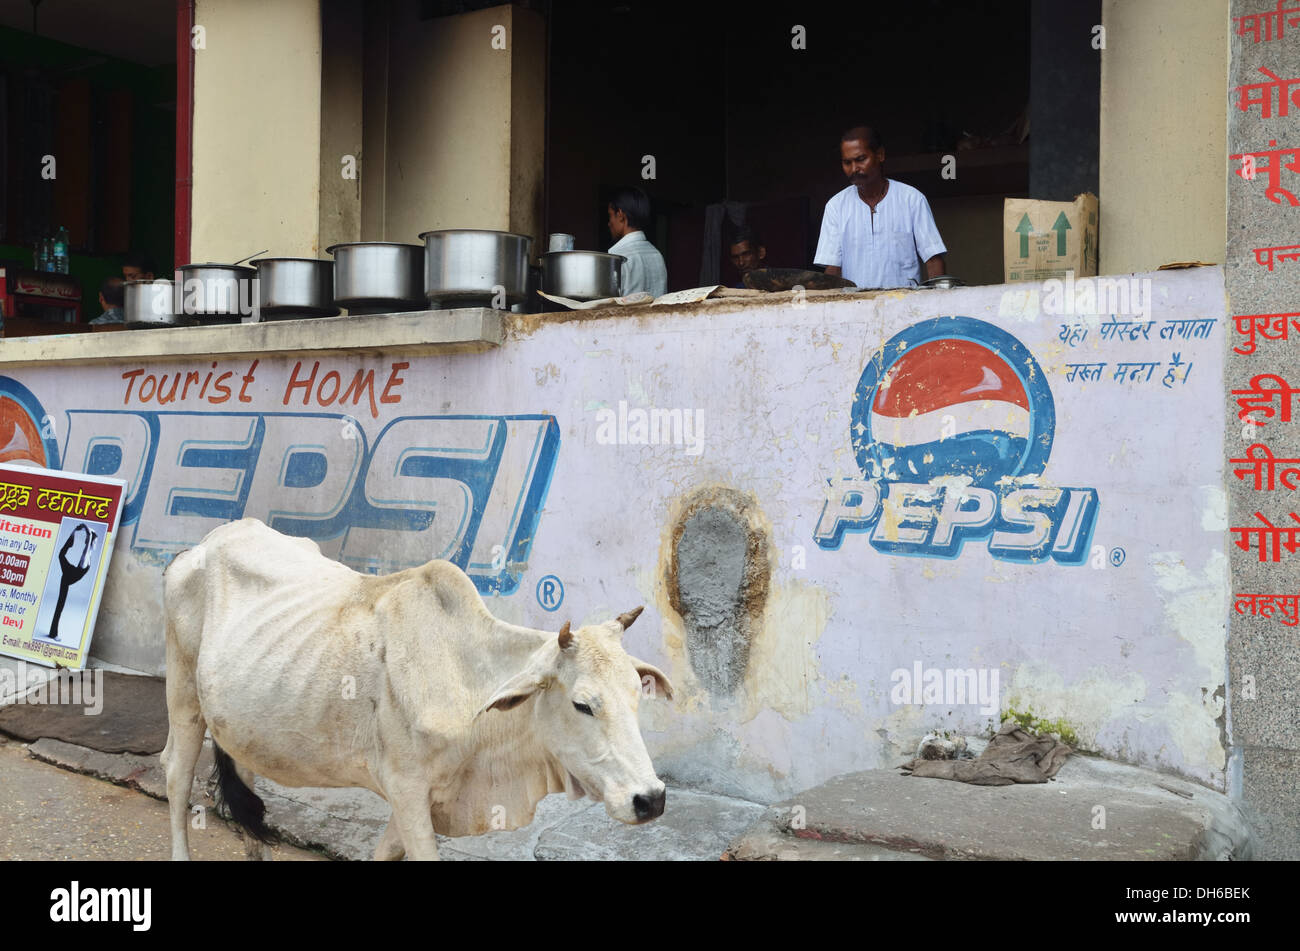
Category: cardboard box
[1045,239]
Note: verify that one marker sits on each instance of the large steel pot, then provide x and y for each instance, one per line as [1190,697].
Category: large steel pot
[583,275]
[149,304]
[378,276]
[289,288]
[223,294]
[468,268]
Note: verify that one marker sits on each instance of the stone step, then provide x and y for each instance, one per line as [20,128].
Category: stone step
[1093,809]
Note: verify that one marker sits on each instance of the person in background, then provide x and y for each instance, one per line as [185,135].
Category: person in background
[874,231]
[137,267]
[112,295]
[644,270]
[747,253]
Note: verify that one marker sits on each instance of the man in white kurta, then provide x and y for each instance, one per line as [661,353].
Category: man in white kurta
[877,231]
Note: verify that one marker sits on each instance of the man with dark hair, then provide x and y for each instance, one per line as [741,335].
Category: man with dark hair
[137,267]
[747,252]
[644,269]
[874,231]
[112,295]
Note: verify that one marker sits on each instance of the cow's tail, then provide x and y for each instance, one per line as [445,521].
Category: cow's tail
[245,807]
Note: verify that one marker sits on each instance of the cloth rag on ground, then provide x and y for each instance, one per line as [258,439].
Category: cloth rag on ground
[1013,756]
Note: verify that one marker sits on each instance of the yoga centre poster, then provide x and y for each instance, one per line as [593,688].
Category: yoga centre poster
[56,538]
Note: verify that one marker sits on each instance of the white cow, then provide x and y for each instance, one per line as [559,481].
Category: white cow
[312,674]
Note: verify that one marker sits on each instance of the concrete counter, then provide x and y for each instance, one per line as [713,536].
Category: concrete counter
[411,334]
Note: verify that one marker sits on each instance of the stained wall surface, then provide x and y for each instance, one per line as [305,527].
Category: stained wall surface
[850,520]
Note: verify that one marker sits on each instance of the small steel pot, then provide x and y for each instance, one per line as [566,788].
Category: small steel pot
[224,294]
[149,304]
[944,281]
[583,275]
[378,276]
[467,268]
[289,288]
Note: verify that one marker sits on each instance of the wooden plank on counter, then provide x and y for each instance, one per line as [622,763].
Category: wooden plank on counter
[421,332]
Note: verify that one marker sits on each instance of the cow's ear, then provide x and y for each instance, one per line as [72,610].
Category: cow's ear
[654,682]
[513,692]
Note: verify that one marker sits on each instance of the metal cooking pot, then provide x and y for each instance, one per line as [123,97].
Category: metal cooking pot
[289,288]
[378,276]
[467,268]
[224,293]
[944,281]
[149,304]
[583,275]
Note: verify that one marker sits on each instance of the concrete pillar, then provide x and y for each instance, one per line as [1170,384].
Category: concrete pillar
[1263,660]
[342,45]
[457,137]
[257,129]
[1163,74]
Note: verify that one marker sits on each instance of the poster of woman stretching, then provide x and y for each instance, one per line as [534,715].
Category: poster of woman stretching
[66,598]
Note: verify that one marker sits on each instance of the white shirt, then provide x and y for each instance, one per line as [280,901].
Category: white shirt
[880,250]
[644,269]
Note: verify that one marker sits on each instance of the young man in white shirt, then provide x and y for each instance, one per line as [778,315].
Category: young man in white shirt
[644,269]
[876,231]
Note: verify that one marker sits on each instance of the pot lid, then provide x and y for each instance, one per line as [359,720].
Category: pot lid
[500,234]
[590,254]
[373,244]
[257,261]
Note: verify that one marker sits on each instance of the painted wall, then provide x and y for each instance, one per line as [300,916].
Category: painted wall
[1163,134]
[806,498]
[257,129]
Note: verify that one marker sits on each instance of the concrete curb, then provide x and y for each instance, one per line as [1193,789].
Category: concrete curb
[346,824]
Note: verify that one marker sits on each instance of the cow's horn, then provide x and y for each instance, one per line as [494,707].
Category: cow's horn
[566,636]
[627,619]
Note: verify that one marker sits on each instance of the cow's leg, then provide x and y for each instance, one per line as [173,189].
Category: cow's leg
[254,851]
[185,729]
[390,848]
[413,817]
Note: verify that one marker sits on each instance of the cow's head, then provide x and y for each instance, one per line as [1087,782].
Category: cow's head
[587,690]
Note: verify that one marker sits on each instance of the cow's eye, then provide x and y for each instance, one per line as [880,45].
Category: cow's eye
[583,708]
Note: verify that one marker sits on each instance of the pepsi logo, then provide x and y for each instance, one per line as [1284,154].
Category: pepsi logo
[956,397]
[952,396]
[21,440]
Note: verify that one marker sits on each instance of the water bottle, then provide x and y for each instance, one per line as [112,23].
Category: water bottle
[39,256]
[61,251]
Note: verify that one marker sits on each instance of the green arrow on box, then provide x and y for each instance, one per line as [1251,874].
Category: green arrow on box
[1024,229]
[1061,227]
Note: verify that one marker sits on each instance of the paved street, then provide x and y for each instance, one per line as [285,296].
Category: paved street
[48,813]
